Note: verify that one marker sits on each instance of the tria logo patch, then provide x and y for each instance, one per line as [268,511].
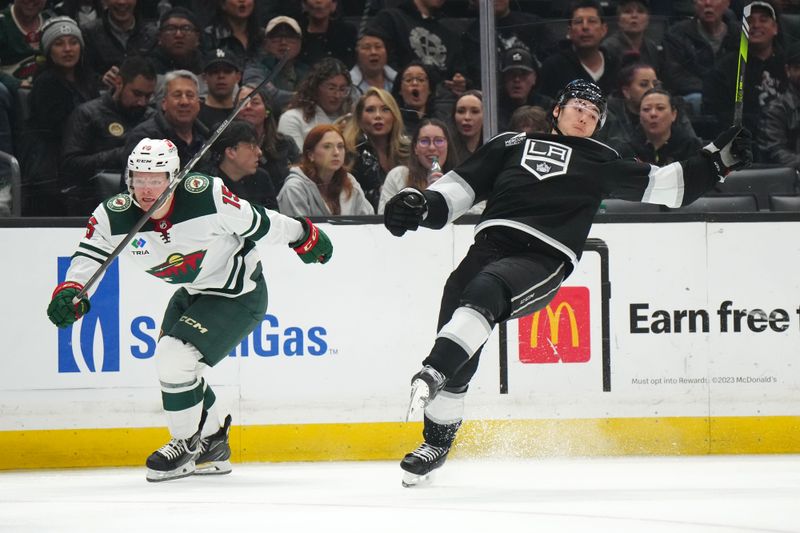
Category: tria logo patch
[138,247]
[545,159]
[179,268]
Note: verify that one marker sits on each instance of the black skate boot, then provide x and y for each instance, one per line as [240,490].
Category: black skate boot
[419,464]
[174,460]
[215,452]
[425,385]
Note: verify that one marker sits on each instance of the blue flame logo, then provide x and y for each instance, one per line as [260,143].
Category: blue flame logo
[105,314]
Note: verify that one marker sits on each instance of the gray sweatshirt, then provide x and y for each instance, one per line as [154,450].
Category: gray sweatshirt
[300,196]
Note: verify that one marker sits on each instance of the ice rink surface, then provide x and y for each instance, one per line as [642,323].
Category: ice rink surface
[654,494]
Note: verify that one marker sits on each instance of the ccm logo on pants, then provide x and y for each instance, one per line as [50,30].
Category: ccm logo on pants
[194,323]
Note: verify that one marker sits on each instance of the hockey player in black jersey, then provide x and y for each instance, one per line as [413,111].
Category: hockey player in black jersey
[542,192]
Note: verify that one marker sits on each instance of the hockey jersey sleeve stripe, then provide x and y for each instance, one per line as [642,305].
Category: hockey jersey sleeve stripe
[457,193]
[666,185]
[98,251]
[261,223]
[81,254]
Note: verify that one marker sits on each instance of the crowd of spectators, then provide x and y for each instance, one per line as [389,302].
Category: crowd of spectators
[370,90]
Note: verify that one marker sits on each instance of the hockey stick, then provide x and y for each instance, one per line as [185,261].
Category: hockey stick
[744,45]
[169,190]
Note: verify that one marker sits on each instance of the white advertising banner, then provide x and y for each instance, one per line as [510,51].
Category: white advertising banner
[660,319]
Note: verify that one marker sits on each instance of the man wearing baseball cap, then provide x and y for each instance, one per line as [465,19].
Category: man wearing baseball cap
[283,37]
[236,155]
[519,71]
[764,76]
[222,72]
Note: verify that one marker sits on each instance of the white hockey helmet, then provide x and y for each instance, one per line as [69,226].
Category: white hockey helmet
[154,155]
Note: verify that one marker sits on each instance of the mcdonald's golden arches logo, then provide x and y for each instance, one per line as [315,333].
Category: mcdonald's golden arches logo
[560,332]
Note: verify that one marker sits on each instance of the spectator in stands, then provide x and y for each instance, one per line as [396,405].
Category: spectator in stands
[371,69]
[6,197]
[177,119]
[630,39]
[375,136]
[283,38]
[658,141]
[635,79]
[7,113]
[513,29]
[325,34]
[278,152]
[61,84]
[414,31]
[119,32]
[580,55]
[178,45]
[234,28]
[431,139]
[413,92]
[467,119]
[320,185]
[530,119]
[235,155]
[96,133]
[81,11]
[222,74]
[764,76]
[321,98]
[779,140]
[519,79]
[20,34]
[692,47]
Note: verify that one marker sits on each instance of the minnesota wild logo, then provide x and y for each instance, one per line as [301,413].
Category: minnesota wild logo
[196,183]
[119,203]
[179,268]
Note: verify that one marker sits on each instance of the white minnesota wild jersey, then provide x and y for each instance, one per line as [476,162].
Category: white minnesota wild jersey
[205,243]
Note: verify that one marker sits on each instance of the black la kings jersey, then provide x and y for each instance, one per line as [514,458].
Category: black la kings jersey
[550,186]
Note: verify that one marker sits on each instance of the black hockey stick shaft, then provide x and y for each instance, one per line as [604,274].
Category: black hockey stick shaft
[744,45]
[185,170]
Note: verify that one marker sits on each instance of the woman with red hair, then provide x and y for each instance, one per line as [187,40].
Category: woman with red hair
[320,184]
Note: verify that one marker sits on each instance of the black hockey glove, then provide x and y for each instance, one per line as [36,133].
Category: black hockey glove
[731,150]
[405,211]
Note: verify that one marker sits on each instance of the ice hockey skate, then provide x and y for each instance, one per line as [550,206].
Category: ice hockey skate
[420,464]
[174,460]
[425,385]
[215,452]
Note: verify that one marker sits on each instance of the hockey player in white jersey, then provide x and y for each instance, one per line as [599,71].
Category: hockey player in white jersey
[542,193]
[201,239]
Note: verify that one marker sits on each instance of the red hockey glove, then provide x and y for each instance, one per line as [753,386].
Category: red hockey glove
[314,246]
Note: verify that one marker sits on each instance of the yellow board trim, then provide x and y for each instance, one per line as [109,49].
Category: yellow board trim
[390,441]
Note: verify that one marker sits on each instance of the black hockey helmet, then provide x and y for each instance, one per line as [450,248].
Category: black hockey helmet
[585,90]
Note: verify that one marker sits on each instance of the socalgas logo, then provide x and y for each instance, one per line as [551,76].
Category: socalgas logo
[560,332]
[94,343]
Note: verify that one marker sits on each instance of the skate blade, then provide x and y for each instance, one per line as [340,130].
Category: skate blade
[416,480]
[155,476]
[213,468]
[419,398]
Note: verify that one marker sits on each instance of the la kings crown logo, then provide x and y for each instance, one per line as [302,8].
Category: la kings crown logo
[545,159]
